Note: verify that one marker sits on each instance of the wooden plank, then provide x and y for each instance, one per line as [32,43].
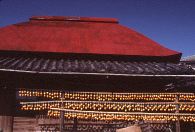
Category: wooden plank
[6,123]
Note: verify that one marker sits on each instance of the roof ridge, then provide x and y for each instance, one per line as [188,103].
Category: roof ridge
[74,18]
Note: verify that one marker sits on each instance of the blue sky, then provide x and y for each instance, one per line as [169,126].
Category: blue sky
[168,22]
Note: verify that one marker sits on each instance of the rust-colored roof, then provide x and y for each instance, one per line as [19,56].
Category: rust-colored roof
[79,35]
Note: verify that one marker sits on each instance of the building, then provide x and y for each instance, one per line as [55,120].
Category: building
[81,57]
[190,60]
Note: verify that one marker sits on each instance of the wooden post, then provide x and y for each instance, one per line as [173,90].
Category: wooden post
[61,121]
[177,124]
[75,124]
[7,109]
[62,114]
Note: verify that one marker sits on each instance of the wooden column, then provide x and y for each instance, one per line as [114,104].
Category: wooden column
[61,121]
[75,124]
[177,124]
[7,109]
[62,114]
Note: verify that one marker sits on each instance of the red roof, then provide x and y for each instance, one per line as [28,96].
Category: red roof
[79,35]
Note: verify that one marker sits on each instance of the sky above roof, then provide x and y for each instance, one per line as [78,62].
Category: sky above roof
[168,22]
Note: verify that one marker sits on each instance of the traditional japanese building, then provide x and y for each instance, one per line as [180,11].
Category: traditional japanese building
[190,60]
[91,59]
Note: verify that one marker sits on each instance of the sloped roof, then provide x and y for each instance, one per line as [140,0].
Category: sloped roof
[79,66]
[79,35]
